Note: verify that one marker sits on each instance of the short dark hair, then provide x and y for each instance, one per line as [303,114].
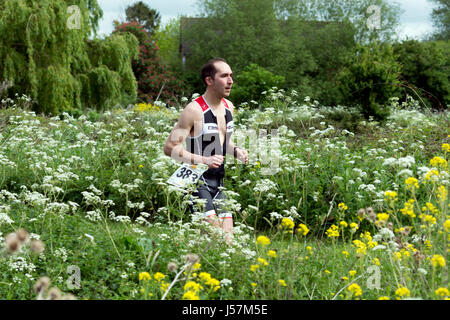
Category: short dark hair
[209,69]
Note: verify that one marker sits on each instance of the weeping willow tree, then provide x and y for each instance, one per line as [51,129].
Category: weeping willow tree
[46,52]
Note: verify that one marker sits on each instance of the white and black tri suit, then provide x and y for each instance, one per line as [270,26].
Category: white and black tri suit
[208,144]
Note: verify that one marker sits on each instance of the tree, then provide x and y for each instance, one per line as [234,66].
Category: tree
[145,16]
[51,59]
[168,40]
[441,19]
[155,80]
[372,19]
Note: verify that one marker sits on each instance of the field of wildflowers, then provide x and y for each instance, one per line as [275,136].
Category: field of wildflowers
[347,210]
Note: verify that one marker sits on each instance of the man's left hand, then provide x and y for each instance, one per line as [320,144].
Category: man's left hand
[242,155]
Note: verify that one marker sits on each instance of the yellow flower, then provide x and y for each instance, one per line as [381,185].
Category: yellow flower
[447,225]
[196,266]
[263,261]
[361,247]
[442,292]
[309,248]
[263,240]
[272,253]
[384,298]
[193,286]
[446,147]
[302,229]
[253,284]
[344,278]
[342,206]
[141,166]
[282,282]
[164,286]
[345,253]
[355,289]
[253,267]
[376,261]
[412,183]
[432,175]
[438,162]
[332,231]
[144,276]
[354,226]
[328,271]
[352,273]
[344,224]
[408,209]
[442,193]
[403,292]
[159,276]
[390,195]
[287,223]
[438,260]
[190,295]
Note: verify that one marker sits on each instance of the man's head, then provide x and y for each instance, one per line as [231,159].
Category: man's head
[216,74]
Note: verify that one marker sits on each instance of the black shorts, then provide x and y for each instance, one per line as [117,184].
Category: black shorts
[209,190]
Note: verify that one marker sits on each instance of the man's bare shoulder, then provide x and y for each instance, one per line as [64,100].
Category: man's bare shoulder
[230,104]
[191,114]
[192,111]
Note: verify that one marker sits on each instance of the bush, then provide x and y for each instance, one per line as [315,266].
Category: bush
[369,79]
[252,81]
[155,80]
[425,70]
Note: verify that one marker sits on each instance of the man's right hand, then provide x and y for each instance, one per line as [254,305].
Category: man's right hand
[213,162]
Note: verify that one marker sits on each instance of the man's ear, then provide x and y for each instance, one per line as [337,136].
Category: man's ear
[209,80]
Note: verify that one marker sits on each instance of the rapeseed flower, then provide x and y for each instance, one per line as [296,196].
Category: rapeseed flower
[193,286]
[343,224]
[438,162]
[253,267]
[446,147]
[144,276]
[355,289]
[263,240]
[342,206]
[333,231]
[282,282]
[442,193]
[442,292]
[412,183]
[263,261]
[159,276]
[272,253]
[287,223]
[438,260]
[190,295]
[402,292]
[303,229]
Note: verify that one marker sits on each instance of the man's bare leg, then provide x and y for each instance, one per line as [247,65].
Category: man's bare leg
[227,226]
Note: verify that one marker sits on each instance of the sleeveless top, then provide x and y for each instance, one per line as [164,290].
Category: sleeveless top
[208,142]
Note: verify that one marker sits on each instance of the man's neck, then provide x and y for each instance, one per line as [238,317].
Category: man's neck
[213,100]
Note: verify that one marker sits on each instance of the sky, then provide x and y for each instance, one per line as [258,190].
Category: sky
[415,21]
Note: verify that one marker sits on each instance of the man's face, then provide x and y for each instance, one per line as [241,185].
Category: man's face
[223,80]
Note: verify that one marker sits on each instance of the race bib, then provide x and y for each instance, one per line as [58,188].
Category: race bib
[187,174]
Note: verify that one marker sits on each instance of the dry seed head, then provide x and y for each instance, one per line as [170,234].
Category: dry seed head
[42,284]
[361,212]
[172,267]
[54,294]
[22,235]
[192,258]
[37,246]
[12,242]
[390,226]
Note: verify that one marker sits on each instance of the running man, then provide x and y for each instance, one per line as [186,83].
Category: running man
[207,124]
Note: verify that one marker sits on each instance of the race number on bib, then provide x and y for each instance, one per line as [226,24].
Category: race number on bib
[187,174]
